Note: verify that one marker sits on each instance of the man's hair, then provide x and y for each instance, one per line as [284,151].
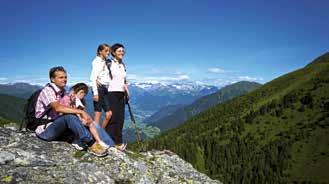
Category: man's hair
[55,69]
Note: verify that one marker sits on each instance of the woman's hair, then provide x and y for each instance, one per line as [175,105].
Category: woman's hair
[80,86]
[115,47]
[102,47]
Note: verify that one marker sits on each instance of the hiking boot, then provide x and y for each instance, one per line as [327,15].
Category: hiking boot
[97,150]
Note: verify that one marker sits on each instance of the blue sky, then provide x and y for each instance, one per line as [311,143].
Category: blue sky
[213,42]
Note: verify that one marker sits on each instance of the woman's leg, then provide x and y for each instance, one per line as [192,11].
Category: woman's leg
[113,128]
[121,108]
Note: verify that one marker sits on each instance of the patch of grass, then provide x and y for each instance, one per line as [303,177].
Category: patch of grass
[7,179]
[79,154]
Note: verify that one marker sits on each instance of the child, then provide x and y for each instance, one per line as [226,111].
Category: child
[100,79]
[75,99]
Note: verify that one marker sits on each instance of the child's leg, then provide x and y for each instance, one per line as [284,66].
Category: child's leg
[107,118]
[97,116]
[94,132]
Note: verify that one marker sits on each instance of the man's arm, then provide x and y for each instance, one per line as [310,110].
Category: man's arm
[56,106]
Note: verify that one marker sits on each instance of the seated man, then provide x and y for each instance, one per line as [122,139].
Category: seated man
[49,98]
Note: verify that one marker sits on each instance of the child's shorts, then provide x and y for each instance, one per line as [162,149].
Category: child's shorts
[102,103]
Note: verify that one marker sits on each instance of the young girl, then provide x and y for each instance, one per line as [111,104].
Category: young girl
[100,81]
[75,99]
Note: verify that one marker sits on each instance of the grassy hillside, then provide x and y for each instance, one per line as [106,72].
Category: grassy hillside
[278,133]
[11,108]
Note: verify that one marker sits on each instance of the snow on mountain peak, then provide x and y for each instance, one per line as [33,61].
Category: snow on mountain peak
[175,87]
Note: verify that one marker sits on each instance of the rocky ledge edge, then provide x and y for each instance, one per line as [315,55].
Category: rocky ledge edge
[27,159]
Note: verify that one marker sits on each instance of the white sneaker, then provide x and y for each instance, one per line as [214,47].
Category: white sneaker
[104,145]
[78,147]
[112,150]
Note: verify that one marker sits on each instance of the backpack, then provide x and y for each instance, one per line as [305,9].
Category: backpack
[108,63]
[30,122]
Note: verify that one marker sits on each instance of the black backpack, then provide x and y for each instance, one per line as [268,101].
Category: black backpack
[30,122]
[108,63]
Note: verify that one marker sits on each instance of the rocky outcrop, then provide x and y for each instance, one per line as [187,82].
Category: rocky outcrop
[26,159]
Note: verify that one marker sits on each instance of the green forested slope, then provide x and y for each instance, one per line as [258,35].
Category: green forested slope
[11,108]
[278,133]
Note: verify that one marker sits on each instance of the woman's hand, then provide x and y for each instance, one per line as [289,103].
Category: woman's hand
[126,89]
[127,95]
[96,98]
[97,82]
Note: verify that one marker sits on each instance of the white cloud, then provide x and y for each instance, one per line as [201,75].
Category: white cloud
[183,77]
[40,80]
[168,79]
[157,79]
[216,70]
[35,81]
[248,78]
[3,80]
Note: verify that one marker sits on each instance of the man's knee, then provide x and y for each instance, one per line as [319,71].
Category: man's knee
[46,137]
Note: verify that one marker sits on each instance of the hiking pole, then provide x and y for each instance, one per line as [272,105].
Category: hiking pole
[134,124]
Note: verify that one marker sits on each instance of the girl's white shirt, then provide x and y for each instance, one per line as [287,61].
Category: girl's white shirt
[99,72]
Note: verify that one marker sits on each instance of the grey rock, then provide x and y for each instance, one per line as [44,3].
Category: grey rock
[26,159]
[6,157]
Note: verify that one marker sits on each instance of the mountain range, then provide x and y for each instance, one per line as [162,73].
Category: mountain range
[181,114]
[278,133]
[20,89]
[172,115]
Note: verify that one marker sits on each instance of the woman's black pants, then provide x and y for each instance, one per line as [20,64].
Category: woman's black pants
[117,106]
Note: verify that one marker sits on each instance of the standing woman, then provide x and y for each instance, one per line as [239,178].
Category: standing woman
[100,79]
[118,89]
